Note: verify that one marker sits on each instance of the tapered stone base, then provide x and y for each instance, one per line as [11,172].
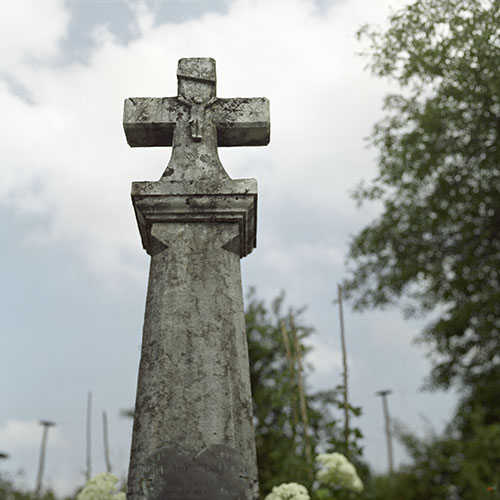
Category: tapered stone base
[193,389]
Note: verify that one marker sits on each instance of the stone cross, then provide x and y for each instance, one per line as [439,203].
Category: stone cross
[193,426]
[196,122]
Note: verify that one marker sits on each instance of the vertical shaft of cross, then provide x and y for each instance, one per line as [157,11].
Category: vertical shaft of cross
[193,426]
[191,390]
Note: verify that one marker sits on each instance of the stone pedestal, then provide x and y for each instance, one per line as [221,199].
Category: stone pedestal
[193,429]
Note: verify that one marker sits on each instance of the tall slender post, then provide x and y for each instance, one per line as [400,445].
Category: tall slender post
[46,425]
[88,471]
[344,362]
[388,434]
[291,364]
[105,441]
[303,406]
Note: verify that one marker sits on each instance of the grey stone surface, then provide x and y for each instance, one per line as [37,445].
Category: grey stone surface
[193,395]
[216,473]
[196,122]
[202,201]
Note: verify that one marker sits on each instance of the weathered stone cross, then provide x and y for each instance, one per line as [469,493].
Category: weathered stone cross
[193,426]
[196,122]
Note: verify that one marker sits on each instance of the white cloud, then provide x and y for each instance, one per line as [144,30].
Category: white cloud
[308,263]
[324,356]
[65,154]
[30,31]
[393,330]
[17,434]
[144,18]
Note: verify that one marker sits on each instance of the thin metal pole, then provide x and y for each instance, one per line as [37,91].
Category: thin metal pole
[344,362]
[46,425]
[383,395]
[88,472]
[106,443]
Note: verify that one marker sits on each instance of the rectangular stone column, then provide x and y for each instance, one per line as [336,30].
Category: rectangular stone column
[193,393]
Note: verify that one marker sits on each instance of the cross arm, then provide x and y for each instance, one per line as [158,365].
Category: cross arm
[150,121]
[242,121]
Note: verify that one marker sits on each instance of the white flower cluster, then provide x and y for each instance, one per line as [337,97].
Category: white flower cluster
[338,471]
[288,491]
[101,487]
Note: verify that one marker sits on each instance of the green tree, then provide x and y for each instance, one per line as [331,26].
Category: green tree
[8,491]
[436,244]
[454,465]
[437,240]
[279,429]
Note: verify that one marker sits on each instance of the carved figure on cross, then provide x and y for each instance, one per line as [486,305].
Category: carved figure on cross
[197,91]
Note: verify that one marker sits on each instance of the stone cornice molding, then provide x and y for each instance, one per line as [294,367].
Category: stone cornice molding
[230,201]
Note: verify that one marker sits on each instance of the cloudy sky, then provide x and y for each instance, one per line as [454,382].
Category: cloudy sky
[74,274]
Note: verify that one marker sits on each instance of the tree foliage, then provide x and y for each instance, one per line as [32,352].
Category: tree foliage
[453,465]
[8,491]
[436,244]
[437,240]
[461,463]
[279,429]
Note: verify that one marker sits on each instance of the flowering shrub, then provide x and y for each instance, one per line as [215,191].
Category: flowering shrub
[288,491]
[101,487]
[338,471]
